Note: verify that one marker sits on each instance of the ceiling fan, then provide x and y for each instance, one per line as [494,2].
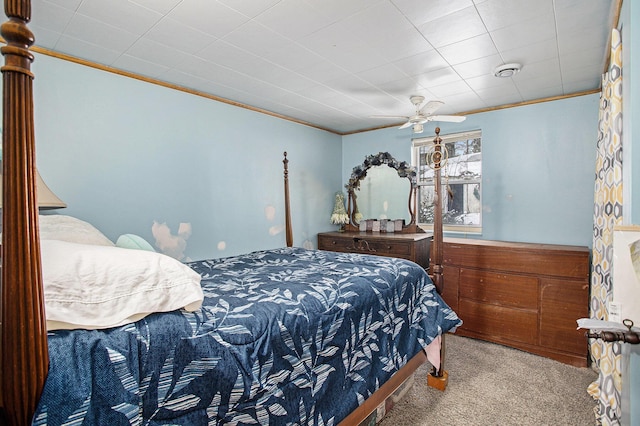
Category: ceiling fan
[424,114]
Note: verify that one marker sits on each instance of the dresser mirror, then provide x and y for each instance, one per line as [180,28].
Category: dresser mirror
[382,188]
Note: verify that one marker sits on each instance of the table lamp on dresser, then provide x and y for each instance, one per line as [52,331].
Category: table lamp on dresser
[46,199]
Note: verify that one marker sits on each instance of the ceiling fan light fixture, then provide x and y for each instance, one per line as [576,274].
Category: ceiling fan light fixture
[507,70]
[423,114]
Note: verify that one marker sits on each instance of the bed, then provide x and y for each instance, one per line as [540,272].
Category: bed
[282,336]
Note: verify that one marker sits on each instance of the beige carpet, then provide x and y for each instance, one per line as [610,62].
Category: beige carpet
[491,384]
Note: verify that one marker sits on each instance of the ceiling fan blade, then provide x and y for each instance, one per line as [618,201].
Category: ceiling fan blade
[404,117]
[450,118]
[405,125]
[431,107]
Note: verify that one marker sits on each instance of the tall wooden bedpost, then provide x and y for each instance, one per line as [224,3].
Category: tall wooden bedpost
[287,209]
[24,351]
[438,378]
[436,248]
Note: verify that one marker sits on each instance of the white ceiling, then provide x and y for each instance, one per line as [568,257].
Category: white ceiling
[334,63]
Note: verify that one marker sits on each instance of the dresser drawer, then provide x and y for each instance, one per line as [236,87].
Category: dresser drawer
[515,325]
[367,246]
[334,244]
[523,258]
[410,246]
[561,303]
[508,290]
[383,248]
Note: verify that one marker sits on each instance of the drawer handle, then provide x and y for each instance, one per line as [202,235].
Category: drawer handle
[361,245]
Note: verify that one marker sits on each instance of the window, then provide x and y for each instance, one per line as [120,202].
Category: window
[461,178]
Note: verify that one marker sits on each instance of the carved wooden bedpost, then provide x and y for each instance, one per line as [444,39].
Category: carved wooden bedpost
[287,207]
[25,357]
[439,377]
[436,250]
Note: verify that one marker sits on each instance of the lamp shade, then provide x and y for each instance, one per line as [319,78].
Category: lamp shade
[46,198]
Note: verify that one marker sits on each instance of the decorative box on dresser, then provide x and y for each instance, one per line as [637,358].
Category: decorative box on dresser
[414,247]
[527,296]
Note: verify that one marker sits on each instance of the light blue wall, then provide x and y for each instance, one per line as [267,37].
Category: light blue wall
[538,168]
[123,153]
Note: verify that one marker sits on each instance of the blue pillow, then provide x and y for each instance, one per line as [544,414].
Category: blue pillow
[132,241]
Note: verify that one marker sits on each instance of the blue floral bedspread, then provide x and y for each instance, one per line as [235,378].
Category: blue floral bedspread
[285,336]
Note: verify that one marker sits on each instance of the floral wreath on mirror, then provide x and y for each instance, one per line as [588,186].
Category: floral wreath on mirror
[404,169]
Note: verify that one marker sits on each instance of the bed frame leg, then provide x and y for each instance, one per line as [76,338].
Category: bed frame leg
[439,378]
[438,382]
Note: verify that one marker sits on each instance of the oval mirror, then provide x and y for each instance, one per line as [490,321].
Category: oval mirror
[383,195]
[382,188]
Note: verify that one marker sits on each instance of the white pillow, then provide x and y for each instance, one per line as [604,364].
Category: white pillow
[96,287]
[71,229]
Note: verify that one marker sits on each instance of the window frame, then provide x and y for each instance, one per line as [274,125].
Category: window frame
[416,144]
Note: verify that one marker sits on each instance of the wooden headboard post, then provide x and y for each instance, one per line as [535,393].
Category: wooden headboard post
[438,377]
[24,351]
[436,247]
[287,203]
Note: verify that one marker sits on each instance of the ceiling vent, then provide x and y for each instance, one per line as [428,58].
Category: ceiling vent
[507,70]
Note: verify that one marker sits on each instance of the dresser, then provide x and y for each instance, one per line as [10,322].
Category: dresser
[527,296]
[414,247]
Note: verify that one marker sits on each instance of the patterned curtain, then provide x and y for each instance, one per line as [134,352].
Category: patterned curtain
[607,213]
